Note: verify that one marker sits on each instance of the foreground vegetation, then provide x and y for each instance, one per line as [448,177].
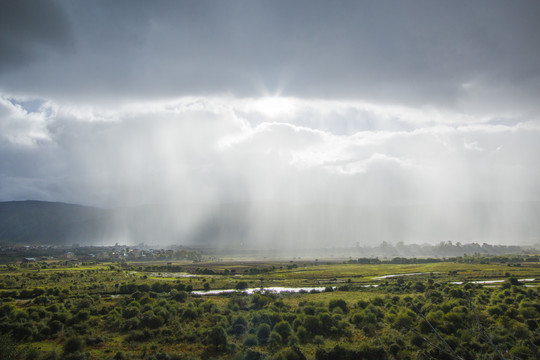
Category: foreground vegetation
[129,310]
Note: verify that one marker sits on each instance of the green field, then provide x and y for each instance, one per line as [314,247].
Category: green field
[147,310]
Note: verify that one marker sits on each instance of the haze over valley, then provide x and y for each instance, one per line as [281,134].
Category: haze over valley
[272,227]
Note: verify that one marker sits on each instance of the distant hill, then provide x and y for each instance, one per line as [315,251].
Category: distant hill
[268,225]
[39,222]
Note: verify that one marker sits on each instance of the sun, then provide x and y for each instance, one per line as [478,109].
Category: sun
[274,106]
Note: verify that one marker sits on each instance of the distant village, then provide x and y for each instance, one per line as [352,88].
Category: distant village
[76,255]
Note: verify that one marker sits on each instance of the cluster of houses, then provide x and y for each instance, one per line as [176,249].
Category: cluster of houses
[76,254]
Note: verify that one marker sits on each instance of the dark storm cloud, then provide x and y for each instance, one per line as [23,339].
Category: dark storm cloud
[28,30]
[417,52]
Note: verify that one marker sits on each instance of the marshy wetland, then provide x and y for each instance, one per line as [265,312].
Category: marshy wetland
[270,310]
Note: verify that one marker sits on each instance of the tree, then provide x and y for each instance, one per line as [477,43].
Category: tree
[241,285]
[239,326]
[312,325]
[217,337]
[283,329]
[8,347]
[338,303]
[190,314]
[263,333]
[302,334]
[179,296]
[275,339]
[251,354]
[251,340]
[73,344]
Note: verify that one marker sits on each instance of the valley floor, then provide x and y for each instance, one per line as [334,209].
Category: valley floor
[172,310]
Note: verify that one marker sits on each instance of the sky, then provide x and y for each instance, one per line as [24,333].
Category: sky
[355,103]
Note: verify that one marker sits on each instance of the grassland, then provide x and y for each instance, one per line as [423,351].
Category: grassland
[145,310]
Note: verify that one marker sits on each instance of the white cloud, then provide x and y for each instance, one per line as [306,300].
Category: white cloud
[19,127]
[204,149]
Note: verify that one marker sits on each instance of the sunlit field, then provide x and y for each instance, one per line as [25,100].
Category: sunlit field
[168,310]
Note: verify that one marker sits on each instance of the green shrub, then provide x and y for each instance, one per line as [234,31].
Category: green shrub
[521,352]
[241,285]
[275,339]
[251,340]
[290,353]
[338,303]
[283,329]
[263,333]
[73,344]
[251,354]
[8,347]
[217,337]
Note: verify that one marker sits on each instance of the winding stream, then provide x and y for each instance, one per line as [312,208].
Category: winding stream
[277,289]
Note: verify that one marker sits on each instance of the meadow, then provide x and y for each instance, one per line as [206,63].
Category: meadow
[160,310]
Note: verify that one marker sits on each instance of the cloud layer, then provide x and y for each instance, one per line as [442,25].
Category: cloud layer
[204,149]
[457,55]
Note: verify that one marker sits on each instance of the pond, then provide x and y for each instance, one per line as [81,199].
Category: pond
[489,281]
[251,291]
[172,275]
